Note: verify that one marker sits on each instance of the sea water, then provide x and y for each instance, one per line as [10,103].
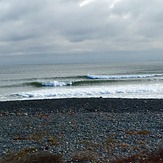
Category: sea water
[112,80]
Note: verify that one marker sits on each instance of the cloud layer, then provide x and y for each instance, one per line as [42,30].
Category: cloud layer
[64,28]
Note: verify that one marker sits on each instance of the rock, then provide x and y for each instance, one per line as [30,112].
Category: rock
[160,144]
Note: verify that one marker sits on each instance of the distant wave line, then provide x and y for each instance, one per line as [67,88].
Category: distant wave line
[122,76]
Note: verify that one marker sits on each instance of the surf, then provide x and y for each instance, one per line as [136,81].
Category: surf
[118,91]
[131,76]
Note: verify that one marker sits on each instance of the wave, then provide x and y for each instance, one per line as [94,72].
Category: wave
[71,83]
[50,84]
[144,90]
[54,83]
[123,76]
[39,84]
[66,83]
[86,82]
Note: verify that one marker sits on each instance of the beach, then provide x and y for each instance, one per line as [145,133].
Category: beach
[77,87]
[77,129]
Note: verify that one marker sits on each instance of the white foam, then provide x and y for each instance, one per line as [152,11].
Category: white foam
[137,91]
[122,76]
[55,83]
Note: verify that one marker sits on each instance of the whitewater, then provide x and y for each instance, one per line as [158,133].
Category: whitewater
[121,80]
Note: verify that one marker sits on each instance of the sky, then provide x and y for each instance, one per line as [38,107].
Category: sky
[74,31]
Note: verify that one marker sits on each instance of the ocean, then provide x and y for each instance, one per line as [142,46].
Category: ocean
[107,80]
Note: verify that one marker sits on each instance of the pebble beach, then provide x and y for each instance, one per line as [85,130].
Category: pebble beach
[82,129]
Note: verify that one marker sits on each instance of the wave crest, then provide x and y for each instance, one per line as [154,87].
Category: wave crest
[122,76]
[50,84]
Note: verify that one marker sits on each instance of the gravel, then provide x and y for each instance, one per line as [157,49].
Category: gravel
[104,132]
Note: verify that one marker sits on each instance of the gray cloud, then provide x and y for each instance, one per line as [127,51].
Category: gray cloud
[64,29]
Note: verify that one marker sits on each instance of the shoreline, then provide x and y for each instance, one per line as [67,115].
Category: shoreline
[84,104]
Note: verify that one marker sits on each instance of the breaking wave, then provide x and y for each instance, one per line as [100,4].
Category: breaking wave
[87,80]
[123,76]
[112,91]
[68,83]
[50,84]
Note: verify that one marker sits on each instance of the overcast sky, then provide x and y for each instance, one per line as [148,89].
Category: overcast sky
[58,31]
